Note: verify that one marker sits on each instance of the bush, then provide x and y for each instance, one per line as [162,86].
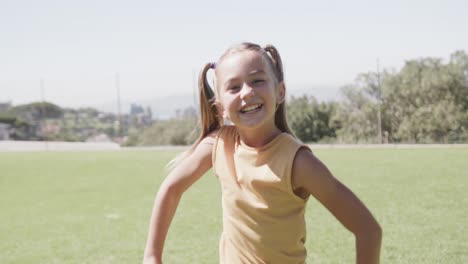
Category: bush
[166,132]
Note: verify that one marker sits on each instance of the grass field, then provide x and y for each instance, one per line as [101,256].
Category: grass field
[94,207]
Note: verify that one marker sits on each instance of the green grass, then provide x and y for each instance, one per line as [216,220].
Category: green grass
[80,207]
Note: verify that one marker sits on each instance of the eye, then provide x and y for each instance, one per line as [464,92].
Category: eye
[258,81]
[235,87]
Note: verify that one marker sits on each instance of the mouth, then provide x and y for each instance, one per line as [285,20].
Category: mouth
[251,108]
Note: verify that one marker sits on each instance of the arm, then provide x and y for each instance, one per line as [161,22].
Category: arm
[180,179]
[311,177]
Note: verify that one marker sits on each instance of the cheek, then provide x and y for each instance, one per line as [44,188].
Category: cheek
[227,100]
[223,104]
[230,106]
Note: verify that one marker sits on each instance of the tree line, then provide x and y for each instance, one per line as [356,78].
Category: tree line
[46,121]
[426,101]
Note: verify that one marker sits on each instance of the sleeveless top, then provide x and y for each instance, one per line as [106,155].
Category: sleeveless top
[263,220]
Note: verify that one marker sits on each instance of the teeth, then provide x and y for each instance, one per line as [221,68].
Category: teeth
[251,108]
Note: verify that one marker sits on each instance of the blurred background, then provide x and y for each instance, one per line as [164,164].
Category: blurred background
[125,72]
[103,75]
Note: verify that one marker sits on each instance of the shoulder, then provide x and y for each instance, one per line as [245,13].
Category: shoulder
[209,139]
[301,169]
[198,156]
[205,146]
[310,176]
[306,159]
[191,165]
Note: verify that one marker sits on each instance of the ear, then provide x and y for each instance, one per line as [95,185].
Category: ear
[220,109]
[281,93]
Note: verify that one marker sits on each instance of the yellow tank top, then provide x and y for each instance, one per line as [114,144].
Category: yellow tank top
[263,220]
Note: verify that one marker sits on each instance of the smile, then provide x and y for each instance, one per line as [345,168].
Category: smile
[251,108]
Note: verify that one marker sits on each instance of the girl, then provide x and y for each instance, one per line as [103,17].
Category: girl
[266,174]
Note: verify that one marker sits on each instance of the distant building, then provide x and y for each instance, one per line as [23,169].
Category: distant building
[5,131]
[5,106]
[136,109]
[140,116]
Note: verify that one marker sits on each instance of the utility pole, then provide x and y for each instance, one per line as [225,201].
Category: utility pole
[119,117]
[379,102]
[42,124]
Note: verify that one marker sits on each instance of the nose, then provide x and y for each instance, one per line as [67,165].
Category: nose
[246,91]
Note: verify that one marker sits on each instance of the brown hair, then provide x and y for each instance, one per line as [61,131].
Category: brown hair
[210,119]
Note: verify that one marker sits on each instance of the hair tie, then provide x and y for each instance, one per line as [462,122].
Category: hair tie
[212,65]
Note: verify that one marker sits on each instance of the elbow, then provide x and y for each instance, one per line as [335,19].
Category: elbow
[372,231]
[377,231]
[171,189]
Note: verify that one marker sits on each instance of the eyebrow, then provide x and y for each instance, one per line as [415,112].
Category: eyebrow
[256,72]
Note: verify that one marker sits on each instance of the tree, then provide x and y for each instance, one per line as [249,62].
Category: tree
[357,116]
[38,110]
[426,101]
[181,130]
[310,120]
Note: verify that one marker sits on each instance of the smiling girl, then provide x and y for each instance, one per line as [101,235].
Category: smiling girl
[266,174]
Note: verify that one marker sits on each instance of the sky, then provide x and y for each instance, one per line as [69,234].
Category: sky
[156,48]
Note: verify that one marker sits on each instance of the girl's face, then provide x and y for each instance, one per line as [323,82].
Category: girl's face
[248,92]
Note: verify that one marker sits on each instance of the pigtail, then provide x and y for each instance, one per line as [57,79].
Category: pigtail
[209,119]
[276,59]
[280,115]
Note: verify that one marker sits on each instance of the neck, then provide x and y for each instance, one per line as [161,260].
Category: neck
[257,138]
